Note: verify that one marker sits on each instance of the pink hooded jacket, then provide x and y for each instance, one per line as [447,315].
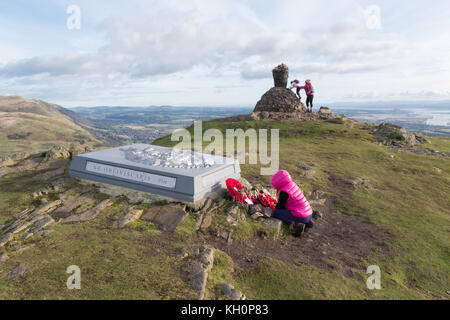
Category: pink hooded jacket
[297,203]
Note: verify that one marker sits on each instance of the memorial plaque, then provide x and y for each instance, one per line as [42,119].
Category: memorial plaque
[179,174]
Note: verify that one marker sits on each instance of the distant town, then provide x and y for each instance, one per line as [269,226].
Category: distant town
[123,125]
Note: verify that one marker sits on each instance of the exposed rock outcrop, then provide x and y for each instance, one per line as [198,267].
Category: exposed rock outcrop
[13,159]
[90,214]
[229,291]
[201,261]
[56,153]
[166,217]
[325,110]
[393,135]
[20,271]
[129,215]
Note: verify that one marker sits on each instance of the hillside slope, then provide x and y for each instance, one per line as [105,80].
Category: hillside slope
[384,207]
[29,126]
[379,207]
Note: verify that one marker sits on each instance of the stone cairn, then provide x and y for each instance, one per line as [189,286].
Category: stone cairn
[281,75]
[279,102]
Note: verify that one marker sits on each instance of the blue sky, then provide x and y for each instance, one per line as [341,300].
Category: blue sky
[221,53]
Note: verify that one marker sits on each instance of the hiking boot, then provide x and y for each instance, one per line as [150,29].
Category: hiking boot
[299,228]
[309,225]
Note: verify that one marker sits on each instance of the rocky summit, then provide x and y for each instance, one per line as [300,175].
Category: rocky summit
[280,99]
[279,102]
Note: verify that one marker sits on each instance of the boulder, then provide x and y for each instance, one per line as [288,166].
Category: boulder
[49,207]
[56,153]
[206,221]
[257,215]
[13,159]
[256,208]
[21,226]
[325,110]
[247,185]
[5,239]
[129,215]
[307,171]
[198,270]
[357,182]
[40,223]
[198,277]
[391,134]
[267,212]
[26,212]
[274,225]
[27,236]
[204,218]
[166,217]
[317,215]
[229,291]
[20,271]
[90,215]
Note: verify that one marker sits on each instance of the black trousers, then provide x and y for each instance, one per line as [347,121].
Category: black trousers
[309,101]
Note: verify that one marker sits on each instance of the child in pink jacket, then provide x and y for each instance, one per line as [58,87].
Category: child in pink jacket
[292,208]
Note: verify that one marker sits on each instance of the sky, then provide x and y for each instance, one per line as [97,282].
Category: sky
[221,53]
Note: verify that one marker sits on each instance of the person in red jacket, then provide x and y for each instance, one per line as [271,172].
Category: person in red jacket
[310,95]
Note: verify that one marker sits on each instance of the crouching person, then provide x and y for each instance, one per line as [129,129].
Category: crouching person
[292,207]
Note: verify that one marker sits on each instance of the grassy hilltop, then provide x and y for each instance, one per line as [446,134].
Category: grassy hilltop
[407,209]
[397,219]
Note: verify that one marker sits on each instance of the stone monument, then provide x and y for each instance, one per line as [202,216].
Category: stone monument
[180,174]
[279,102]
[281,76]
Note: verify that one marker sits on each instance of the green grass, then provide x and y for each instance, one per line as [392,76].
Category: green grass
[115,264]
[274,280]
[439,144]
[222,271]
[14,189]
[408,200]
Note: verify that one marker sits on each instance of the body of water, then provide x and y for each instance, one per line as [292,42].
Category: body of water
[437,117]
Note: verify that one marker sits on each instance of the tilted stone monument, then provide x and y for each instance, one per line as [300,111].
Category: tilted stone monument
[280,76]
[180,174]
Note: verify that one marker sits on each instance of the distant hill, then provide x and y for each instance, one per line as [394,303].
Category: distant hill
[30,126]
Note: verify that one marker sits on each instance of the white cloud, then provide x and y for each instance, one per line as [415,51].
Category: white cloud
[142,48]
